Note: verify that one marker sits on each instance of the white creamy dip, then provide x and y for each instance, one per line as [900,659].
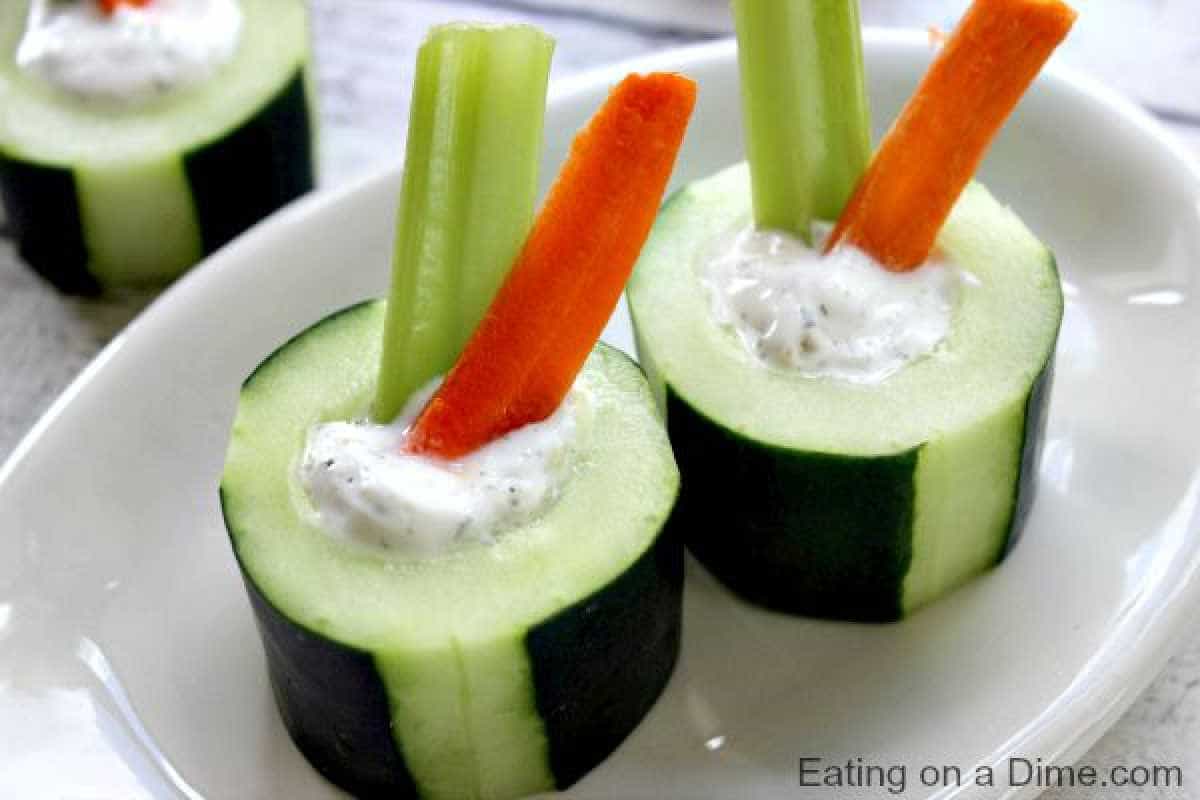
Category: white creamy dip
[132,55]
[839,316]
[367,491]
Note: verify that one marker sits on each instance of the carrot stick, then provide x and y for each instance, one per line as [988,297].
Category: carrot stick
[522,359]
[111,6]
[941,136]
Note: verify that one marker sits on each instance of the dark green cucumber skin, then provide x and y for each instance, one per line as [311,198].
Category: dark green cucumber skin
[262,166]
[598,665]
[817,534]
[333,704]
[235,181]
[1037,410]
[814,534]
[43,214]
[601,664]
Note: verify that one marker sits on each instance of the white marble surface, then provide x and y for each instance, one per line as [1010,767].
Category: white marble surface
[1148,48]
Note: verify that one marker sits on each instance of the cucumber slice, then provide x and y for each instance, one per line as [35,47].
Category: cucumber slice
[492,672]
[101,197]
[841,500]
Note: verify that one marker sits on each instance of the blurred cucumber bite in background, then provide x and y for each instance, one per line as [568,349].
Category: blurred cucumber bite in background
[138,136]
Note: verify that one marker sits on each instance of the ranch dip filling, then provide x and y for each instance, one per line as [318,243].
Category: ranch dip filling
[365,490]
[133,54]
[840,316]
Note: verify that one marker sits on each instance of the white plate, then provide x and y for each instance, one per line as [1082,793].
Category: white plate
[129,665]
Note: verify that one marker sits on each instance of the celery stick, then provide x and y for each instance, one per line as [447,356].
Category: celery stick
[467,200]
[805,108]
[846,111]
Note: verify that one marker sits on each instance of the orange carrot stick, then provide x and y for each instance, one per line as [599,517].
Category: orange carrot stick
[520,362]
[941,136]
[110,6]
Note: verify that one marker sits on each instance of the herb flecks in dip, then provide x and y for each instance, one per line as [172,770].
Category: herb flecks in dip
[367,491]
[839,316]
[132,55]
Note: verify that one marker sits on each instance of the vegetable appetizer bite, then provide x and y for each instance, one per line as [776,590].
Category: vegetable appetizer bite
[137,136]
[857,412]
[464,586]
